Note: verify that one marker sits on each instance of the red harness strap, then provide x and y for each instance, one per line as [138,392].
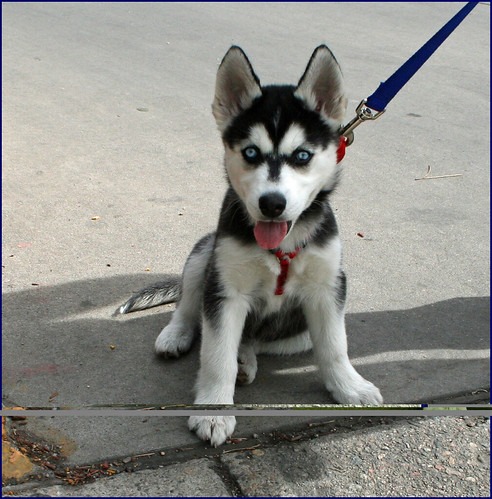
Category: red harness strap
[284,260]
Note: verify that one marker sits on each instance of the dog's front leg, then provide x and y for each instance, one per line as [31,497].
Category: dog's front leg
[222,329]
[326,322]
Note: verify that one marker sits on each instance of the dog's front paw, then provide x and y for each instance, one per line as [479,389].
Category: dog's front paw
[214,428]
[173,340]
[357,392]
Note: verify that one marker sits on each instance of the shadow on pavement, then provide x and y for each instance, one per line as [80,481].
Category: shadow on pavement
[62,347]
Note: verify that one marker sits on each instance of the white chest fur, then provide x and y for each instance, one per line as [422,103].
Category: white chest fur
[253,272]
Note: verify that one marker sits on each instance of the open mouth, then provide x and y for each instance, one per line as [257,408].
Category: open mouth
[269,235]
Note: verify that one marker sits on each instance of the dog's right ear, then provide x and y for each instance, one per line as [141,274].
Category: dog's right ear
[236,87]
[321,85]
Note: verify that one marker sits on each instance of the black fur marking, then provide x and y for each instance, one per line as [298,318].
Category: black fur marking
[275,162]
[200,245]
[234,220]
[213,293]
[289,321]
[274,166]
[341,289]
[277,109]
[320,211]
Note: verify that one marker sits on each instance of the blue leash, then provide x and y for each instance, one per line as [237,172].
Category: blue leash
[375,105]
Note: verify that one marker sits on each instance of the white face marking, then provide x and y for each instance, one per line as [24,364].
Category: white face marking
[299,185]
[259,137]
[292,140]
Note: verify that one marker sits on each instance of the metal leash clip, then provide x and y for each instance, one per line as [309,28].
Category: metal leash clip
[389,88]
[363,113]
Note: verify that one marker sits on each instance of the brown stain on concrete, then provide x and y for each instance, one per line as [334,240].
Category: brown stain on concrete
[15,464]
[66,446]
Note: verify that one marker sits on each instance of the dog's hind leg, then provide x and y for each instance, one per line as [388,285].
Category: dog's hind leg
[247,364]
[246,359]
[177,337]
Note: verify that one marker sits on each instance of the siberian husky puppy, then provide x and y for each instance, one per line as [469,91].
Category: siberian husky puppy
[270,278]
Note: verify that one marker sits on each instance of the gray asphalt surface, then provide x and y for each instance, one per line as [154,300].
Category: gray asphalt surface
[112,169]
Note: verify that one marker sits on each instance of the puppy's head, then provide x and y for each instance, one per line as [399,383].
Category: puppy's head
[280,141]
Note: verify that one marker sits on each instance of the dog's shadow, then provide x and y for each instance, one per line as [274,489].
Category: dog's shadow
[62,347]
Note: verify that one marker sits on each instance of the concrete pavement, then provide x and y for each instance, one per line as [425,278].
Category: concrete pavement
[112,169]
[357,457]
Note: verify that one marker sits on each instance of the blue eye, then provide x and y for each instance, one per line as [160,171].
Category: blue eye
[301,157]
[251,154]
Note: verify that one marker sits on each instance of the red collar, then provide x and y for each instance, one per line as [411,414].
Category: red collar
[341,148]
[284,260]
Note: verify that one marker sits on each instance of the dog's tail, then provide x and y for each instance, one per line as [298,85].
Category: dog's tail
[168,291]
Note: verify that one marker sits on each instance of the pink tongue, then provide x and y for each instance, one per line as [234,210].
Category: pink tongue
[269,235]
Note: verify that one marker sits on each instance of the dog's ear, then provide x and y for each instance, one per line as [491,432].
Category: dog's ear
[236,87]
[321,85]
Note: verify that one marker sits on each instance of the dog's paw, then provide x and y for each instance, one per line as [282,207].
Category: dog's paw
[357,392]
[246,366]
[173,341]
[245,374]
[214,428]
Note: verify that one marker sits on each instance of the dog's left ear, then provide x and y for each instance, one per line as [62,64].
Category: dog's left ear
[236,87]
[321,85]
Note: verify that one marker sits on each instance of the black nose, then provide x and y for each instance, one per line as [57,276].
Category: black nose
[272,204]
